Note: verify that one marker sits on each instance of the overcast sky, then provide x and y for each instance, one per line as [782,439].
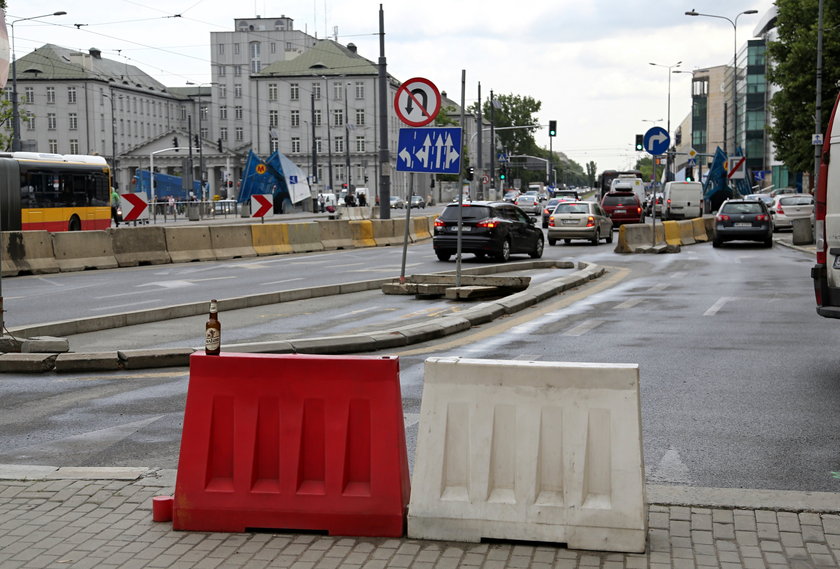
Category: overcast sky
[587,61]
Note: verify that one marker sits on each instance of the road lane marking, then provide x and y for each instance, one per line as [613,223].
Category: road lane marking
[132,305]
[715,308]
[583,328]
[677,275]
[347,265]
[283,281]
[630,303]
[659,287]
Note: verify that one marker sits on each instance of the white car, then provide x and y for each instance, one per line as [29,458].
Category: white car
[787,207]
[530,204]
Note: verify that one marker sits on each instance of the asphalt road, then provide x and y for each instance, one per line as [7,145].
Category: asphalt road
[740,387]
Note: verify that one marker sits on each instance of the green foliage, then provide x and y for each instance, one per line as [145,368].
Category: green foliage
[793,67]
[514,110]
[645,166]
[6,123]
[591,173]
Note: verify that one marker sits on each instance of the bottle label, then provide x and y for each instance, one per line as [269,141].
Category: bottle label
[212,339]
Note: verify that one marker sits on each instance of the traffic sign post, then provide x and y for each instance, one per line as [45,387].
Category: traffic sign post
[657,140]
[429,150]
[417,102]
[134,206]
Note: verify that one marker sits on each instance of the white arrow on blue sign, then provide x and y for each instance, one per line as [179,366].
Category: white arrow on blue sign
[430,150]
[657,140]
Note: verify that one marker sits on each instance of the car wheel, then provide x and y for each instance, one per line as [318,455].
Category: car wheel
[480,255]
[768,242]
[596,238]
[567,241]
[545,225]
[610,237]
[442,256]
[552,241]
[538,249]
[504,254]
[717,243]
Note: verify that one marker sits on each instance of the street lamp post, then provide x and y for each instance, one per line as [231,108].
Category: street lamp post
[15,109]
[668,159]
[734,23]
[200,141]
[110,97]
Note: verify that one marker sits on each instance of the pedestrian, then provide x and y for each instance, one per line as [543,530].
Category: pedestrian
[115,204]
[362,200]
[320,202]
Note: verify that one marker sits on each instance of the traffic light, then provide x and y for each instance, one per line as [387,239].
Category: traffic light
[219,143]
[470,173]
[195,140]
[175,143]
[640,142]
[552,128]
[689,174]
[502,172]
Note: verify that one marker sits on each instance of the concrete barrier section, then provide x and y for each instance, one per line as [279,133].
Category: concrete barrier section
[304,237]
[270,239]
[672,232]
[535,451]
[632,237]
[80,250]
[803,231]
[336,234]
[699,226]
[27,252]
[362,233]
[232,241]
[384,232]
[187,244]
[421,228]
[686,228]
[141,245]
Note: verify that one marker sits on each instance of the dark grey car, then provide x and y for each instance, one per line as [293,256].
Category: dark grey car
[743,220]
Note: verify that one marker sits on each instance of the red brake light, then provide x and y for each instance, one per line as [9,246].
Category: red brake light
[551,221]
[761,217]
[669,201]
[779,209]
[723,217]
[590,221]
[488,223]
[439,223]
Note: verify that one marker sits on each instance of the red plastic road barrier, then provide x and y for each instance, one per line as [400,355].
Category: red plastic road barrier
[294,442]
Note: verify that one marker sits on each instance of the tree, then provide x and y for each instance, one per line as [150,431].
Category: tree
[591,173]
[514,110]
[645,166]
[6,123]
[793,67]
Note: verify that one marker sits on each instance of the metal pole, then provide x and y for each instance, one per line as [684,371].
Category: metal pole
[113,139]
[347,138]
[818,111]
[653,175]
[460,190]
[407,222]
[478,146]
[314,145]
[384,158]
[329,134]
[492,144]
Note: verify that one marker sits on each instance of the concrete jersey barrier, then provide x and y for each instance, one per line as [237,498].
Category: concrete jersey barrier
[80,250]
[232,241]
[363,233]
[270,239]
[534,451]
[27,252]
[336,234]
[187,244]
[304,237]
[142,245]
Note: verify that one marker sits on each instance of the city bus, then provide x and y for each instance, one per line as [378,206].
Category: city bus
[607,176]
[54,192]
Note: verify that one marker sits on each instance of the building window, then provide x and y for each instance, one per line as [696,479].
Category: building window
[222,91]
[755,120]
[338,117]
[316,91]
[360,90]
[273,47]
[317,117]
[237,71]
[318,146]
[71,95]
[273,119]
[74,146]
[223,112]
[29,95]
[272,91]
[338,144]
[294,91]
[221,70]
[221,49]
[274,145]
[360,117]
[239,133]
[360,144]
[236,49]
[223,134]
[51,121]
[254,48]
[203,132]
[237,113]
[51,95]
[295,118]
[202,112]
[338,90]
[756,84]
[700,87]
[53,146]
[237,90]
[30,122]
[295,145]
[102,122]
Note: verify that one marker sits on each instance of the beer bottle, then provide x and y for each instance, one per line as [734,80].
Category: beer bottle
[213,332]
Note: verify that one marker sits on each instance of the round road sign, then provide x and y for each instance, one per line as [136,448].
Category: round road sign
[417,102]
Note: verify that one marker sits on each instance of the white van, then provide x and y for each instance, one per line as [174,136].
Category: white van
[634,185]
[682,200]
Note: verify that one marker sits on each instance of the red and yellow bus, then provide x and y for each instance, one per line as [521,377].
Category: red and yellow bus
[54,192]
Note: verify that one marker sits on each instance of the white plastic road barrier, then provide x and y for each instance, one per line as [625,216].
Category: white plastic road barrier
[536,451]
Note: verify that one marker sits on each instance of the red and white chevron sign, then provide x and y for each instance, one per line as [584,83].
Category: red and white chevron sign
[134,206]
[262,205]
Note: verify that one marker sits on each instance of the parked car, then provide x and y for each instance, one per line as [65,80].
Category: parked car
[549,209]
[497,229]
[529,203]
[417,201]
[787,207]
[397,202]
[579,220]
[683,200]
[766,198]
[623,207]
[743,220]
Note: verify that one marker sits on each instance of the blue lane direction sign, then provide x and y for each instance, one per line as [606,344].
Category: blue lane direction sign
[657,140]
[430,150]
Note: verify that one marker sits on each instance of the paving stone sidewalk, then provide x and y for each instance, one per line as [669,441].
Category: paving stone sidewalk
[72,523]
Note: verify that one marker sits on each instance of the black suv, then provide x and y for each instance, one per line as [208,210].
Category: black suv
[488,228]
